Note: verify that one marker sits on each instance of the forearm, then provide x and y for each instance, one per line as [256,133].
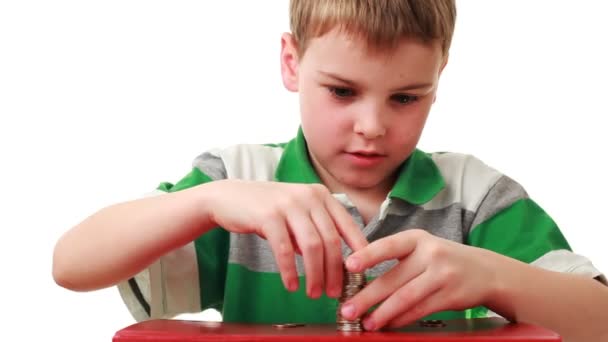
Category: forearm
[120,240]
[574,306]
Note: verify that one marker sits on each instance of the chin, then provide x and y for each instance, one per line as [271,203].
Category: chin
[359,181]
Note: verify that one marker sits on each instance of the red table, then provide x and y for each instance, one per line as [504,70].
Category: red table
[475,330]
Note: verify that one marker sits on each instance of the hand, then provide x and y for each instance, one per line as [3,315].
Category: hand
[292,217]
[433,274]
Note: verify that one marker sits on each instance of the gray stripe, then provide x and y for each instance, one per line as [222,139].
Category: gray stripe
[503,194]
[255,254]
[211,165]
[446,223]
[451,222]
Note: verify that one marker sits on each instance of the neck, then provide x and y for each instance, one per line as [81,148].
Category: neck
[366,200]
[375,193]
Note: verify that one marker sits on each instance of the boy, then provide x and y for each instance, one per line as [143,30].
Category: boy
[443,235]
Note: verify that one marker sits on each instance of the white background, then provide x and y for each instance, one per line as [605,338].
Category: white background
[101,101]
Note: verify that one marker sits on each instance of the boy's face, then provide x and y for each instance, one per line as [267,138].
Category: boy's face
[362,112]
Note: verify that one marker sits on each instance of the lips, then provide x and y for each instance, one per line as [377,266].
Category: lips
[367,153]
[365,158]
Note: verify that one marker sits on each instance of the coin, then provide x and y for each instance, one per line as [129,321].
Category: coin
[352,284]
[288,325]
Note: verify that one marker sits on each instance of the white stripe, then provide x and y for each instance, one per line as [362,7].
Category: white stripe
[467,181]
[135,308]
[143,283]
[170,285]
[386,204]
[154,193]
[174,285]
[344,200]
[567,262]
[177,287]
[157,292]
[250,162]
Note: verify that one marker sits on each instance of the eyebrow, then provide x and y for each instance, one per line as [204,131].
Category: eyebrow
[353,84]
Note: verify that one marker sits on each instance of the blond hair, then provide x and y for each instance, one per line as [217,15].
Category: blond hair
[381,23]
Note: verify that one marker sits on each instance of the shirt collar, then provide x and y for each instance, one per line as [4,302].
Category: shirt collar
[419,178]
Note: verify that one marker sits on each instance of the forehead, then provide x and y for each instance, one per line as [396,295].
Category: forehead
[340,52]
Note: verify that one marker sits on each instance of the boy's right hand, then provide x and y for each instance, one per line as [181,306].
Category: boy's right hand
[303,218]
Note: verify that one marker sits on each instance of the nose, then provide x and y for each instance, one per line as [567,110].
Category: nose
[369,123]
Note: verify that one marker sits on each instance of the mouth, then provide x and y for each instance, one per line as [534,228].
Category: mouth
[365,158]
[366,154]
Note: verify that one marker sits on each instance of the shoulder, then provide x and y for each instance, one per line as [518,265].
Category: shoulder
[469,181]
[242,161]
[461,170]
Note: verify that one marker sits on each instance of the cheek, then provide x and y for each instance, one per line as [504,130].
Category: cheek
[324,125]
[320,112]
[407,130]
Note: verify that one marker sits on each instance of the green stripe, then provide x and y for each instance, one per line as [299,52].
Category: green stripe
[477,312]
[281,145]
[260,298]
[294,165]
[522,231]
[419,179]
[212,255]
[194,178]
[211,249]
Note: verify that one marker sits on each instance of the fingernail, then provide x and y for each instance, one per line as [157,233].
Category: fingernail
[334,293]
[369,324]
[348,311]
[315,292]
[293,285]
[352,264]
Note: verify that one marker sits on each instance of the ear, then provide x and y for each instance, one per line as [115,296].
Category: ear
[443,64]
[289,62]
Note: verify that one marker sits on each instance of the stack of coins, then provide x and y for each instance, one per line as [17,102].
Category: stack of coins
[352,284]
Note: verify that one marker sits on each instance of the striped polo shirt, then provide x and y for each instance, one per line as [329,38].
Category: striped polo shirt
[453,196]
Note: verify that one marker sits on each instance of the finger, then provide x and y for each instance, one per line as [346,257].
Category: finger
[294,243]
[280,242]
[346,226]
[332,250]
[382,287]
[311,245]
[435,302]
[396,246]
[405,299]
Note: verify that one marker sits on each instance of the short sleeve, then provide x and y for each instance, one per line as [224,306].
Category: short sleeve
[508,222]
[190,278]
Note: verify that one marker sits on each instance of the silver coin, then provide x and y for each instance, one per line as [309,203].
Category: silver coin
[288,325]
[353,284]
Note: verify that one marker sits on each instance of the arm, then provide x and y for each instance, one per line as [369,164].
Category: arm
[436,274]
[292,217]
[136,233]
[572,305]
[538,278]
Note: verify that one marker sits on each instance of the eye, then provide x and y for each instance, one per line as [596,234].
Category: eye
[404,98]
[341,92]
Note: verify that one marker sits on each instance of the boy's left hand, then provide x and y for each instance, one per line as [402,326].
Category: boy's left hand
[433,274]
